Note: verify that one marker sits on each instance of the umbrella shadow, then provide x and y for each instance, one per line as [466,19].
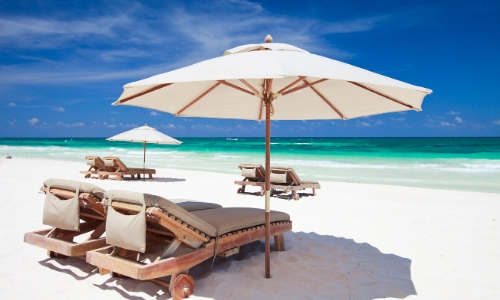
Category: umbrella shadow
[313,266]
[165,179]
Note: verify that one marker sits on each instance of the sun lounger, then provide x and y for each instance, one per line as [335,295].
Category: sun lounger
[96,165]
[137,223]
[285,178]
[254,175]
[67,203]
[122,169]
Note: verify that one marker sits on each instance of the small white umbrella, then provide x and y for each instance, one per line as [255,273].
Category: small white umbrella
[144,134]
[272,81]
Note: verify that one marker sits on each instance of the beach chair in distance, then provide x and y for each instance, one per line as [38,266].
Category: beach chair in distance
[285,178]
[254,175]
[190,238]
[96,165]
[68,202]
[121,169]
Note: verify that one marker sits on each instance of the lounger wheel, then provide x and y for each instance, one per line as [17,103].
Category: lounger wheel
[296,196]
[238,191]
[183,287]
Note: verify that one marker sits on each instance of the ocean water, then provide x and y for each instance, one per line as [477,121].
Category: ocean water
[470,164]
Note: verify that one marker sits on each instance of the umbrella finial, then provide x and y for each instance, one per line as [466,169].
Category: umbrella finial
[268,39]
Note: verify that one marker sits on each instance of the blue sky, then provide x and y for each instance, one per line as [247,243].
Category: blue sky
[62,63]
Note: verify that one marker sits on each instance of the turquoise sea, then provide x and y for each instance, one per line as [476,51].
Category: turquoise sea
[471,164]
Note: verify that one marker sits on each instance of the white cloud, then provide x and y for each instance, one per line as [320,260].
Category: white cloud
[77,124]
[33,121]
[154,113]
[210,128]
[398,119]
[497,122]
[458,119]
[60,109]
[363,124]
[11,104]
[168,126]
[128,125]
[378,122]
[173,36]
[454,112]
[446,123]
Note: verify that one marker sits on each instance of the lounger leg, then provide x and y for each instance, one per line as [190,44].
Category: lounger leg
[314,191]
[279,242]
[295,196]
[150,176]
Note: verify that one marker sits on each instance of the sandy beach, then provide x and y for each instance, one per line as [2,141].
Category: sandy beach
[351,241]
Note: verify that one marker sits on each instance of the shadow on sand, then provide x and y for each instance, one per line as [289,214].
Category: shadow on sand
[313,266]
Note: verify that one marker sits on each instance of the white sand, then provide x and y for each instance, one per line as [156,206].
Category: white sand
[351,241]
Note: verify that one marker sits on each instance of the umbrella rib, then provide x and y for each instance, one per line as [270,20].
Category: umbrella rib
[303,86]
[260,112]
[249,86]
[236,87]
[198,98]
[144,93]
[291,84]
[383,95]
[327,102]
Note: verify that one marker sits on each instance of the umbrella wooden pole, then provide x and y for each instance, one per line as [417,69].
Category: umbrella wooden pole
[268,185]
[144,163]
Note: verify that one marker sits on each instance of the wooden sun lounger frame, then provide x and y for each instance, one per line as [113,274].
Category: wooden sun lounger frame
[122,170]
[294,185]
[119,261]
[59,242]
[260,182]
[98,166]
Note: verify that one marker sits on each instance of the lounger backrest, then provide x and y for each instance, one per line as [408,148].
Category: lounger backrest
[125,231]
[284,175]
[252,171]
[167,206]
[116,162]
[95,161]
[69,185]
[65,213]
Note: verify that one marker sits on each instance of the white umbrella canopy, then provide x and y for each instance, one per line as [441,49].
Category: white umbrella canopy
[272,81]
[144,135]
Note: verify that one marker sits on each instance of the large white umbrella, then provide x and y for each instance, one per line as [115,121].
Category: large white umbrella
[144,135]
[272,81]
